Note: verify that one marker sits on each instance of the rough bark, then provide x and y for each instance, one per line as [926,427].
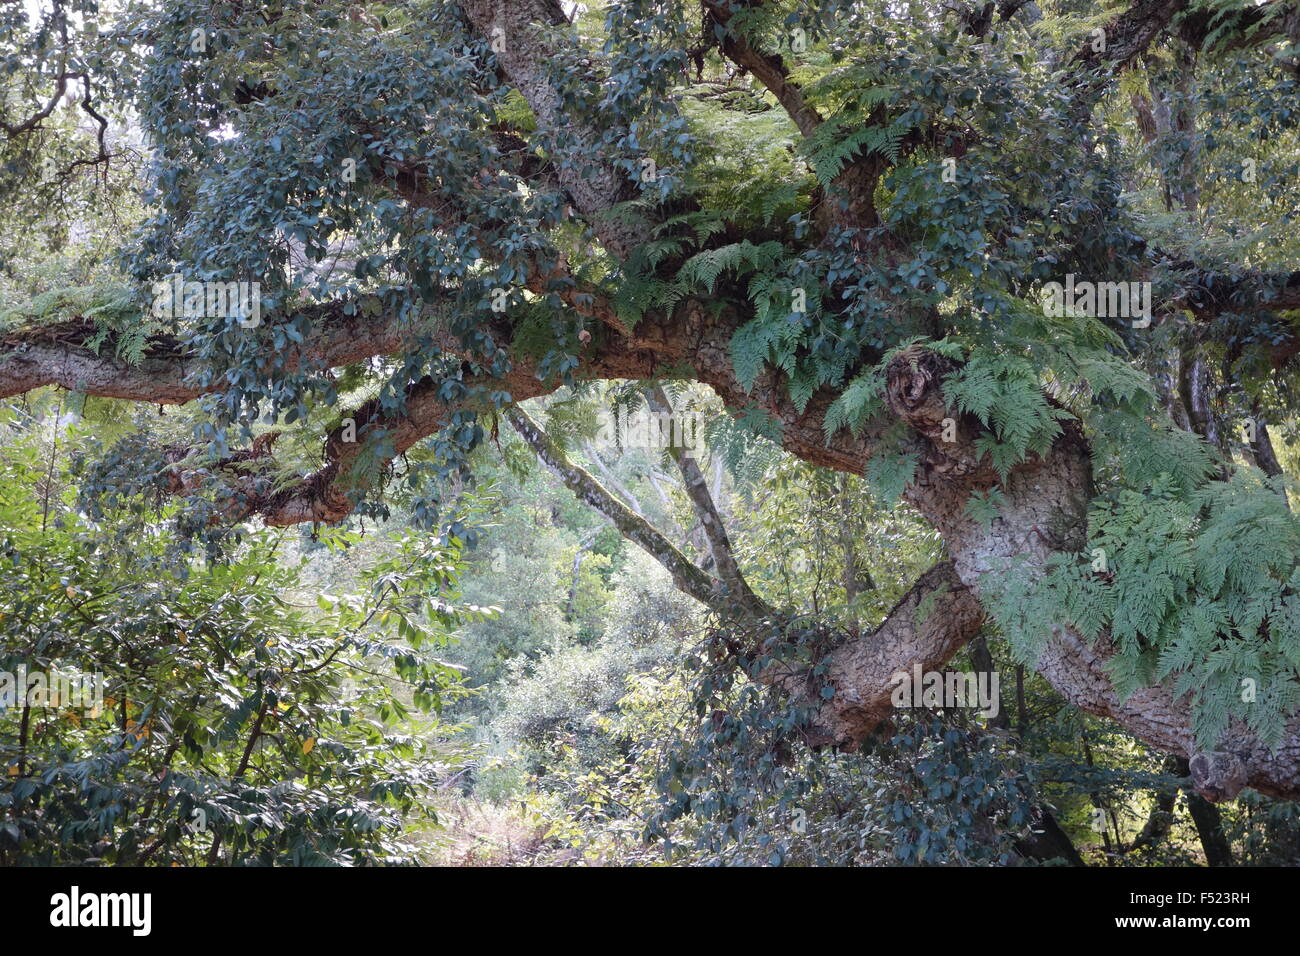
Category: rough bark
[58,354]
[529,35]
[1045,513]
[926,627]
[768,68]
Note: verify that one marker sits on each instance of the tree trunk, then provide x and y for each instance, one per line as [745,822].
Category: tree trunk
[981,659]
[1044,514]
[1046,841]
[1209,825]
[1161,818]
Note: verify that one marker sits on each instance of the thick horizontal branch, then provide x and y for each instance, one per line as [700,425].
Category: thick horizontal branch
[1044,511]
[60,354]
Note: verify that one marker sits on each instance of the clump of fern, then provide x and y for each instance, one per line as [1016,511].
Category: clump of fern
[112,309]
[1019,380]
[1201,588]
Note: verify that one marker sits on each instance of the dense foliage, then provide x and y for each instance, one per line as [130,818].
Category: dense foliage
[830,230]
[304,734]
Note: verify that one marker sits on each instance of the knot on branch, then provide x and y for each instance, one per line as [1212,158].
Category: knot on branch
[914,392]
[1218,775]
[913,387]
[239,478]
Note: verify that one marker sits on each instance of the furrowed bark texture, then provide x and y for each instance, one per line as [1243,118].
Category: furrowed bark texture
[930,624]
[1044,513]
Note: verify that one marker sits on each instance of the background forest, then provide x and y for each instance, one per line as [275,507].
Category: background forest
[487,662]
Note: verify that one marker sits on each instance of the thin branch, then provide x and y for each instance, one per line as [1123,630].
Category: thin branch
[686,576]
[715,532]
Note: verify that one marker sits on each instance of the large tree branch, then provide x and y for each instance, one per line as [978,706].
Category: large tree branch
[524,37]
[1045,510]
[927,627]
[694,337]
[930,624]
[768,68]
[1131,33]
[1123,40]
[1044,514]
[61,354]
